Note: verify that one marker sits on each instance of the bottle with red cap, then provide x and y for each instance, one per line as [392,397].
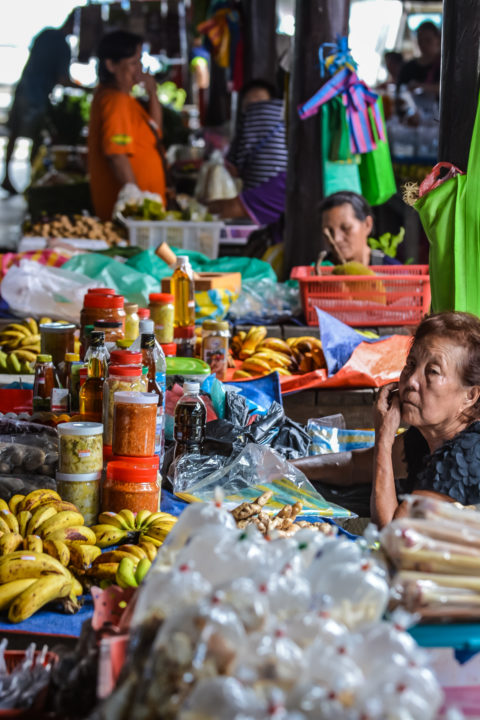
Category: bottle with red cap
[162,313]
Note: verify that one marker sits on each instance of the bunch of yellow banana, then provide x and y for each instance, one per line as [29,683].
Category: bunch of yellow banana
[20,345]
[30,579]
[42,522]
[265,354]
[114,528]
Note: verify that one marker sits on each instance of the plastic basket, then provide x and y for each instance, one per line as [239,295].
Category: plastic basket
[397,295]
[202,237]
[237,234]
[12,659]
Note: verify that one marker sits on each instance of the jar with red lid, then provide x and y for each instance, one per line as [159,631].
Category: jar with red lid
[134,423]
[185,341]
[131,485]
[120,377]
[143,313]
[101,307]
[126,357]
[169,349]
[101,291]
[162,310]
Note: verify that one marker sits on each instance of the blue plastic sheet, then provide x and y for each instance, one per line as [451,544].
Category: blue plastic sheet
[338,341]
[262,391]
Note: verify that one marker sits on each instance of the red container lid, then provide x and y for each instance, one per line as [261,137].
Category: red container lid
[103,301]
[101,291]
[161,297]
[125,370]
[184,332]
[143,313]
[144,462]
[125,357]
[170,349]
[118,471]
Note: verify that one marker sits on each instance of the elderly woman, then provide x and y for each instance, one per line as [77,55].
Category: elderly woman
[438,397]
[347,221]
[123,135]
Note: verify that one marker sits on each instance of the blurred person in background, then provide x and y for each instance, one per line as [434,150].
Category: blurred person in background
[48,65]
[124,137]
[423,72]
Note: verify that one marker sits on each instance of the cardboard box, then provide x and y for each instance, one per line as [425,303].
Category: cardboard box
[210,281]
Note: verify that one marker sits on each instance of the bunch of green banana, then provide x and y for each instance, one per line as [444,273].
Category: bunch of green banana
[20,345]
[115,528]
[114,566]
[29,580]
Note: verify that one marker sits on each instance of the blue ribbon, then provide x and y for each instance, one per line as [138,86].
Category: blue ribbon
[340,57]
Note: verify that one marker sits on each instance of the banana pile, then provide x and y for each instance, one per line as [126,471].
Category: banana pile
[38,533]
[20,345]
[261,354]
[128,564]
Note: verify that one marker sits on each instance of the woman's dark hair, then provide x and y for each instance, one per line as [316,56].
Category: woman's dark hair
[116,46]
[361,208]
[464,328]
[429,26]
[259,83]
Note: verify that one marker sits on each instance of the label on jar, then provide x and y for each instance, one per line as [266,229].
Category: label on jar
[214,353]
[59,400]
[83,453]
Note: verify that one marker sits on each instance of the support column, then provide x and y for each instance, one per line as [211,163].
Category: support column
[459,79]
[316,22]
[259,32]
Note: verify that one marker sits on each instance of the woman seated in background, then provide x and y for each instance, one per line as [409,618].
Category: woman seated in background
[438,396]
[347,222]
[123,136]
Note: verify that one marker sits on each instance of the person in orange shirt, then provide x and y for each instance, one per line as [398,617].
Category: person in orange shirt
[123,136]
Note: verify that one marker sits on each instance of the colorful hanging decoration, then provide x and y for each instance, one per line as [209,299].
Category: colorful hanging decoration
[222,31]
[363,126]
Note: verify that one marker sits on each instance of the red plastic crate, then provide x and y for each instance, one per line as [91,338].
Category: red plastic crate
[398,295]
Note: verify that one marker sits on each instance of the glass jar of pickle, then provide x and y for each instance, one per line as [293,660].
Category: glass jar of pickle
[57,339]
[132,322]
[120,377]
[215,346]
[162,313]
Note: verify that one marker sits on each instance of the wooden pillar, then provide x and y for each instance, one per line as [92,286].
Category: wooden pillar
[260,59]
[459,79]
[316,22]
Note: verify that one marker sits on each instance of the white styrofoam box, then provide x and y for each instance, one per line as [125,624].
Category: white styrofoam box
[202,237]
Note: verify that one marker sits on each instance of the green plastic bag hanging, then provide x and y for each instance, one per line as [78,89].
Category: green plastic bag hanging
[450,215]
[339,175]
[376,170]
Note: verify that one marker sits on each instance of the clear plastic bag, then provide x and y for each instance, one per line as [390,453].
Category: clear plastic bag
[214,181]
[54,292]
[265,302]
[254,471]
[28,454]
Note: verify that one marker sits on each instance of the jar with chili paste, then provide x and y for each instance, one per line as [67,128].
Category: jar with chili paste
[101,307]
[132,485]
[134,423]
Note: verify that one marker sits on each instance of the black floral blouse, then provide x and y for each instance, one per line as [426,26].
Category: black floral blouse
[453,469]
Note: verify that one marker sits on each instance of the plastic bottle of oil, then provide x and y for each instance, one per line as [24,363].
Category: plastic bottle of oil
[183,289]
[190,421]
[91,392]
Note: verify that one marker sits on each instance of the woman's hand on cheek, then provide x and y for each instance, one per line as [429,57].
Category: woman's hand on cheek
[387,414]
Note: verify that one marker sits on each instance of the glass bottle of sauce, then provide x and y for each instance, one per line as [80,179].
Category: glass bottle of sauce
[190,421]
[91,392]
[183,288]
[43,383]
[154,360]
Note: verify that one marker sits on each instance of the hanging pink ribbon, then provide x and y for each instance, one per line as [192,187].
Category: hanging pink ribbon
[358,99]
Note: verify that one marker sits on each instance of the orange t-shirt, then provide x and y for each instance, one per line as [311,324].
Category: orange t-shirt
[119,125]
